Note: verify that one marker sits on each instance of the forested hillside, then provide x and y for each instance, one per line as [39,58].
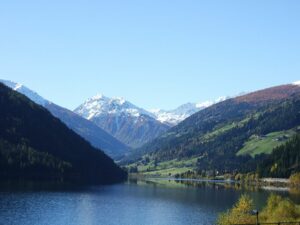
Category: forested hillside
[213,138]
[36,145]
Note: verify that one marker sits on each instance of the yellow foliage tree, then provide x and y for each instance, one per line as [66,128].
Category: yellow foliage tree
[278,209]
[239,214]
[295,179]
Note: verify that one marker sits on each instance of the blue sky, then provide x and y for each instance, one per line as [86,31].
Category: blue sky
[157,54]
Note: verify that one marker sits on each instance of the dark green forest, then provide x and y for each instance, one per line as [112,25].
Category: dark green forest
[36,145]
[283,161]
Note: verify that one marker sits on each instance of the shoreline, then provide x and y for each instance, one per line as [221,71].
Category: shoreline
[269,184]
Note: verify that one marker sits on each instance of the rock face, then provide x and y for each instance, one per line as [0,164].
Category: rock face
[128,123]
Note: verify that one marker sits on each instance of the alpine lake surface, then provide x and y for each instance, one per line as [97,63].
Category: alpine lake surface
[135,202]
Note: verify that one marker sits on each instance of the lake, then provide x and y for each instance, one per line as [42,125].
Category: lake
[155,202]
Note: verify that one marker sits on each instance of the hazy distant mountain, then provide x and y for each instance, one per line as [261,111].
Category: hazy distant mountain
[85,128]
[175,116]
[130,124]
[36,145]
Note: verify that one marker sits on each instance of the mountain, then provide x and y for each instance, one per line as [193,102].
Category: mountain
[216,137]
[85,128]
[128,123]
[26,91]
[36,145]
[175,116]
[90,131]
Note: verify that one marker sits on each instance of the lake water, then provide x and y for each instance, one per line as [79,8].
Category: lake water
[158,202]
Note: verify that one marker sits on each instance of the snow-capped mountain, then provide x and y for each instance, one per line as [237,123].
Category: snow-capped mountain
[175,116]
[130,124]
[85,128]
[100,104]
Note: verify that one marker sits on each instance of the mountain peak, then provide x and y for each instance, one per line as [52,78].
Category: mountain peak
[98,96]
[175,116]
[204,104]
[130,124]
[102,105]
[119,100]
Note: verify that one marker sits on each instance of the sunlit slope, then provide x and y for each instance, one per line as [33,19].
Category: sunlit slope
[219,137]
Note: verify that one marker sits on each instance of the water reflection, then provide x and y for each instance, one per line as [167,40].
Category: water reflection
[147,202]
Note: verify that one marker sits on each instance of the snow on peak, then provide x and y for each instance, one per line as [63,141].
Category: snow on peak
[25,91]
[175,116]
[18,86]
[222,98]
[205,104]
[120,100]
[296,83]
[100,105]
[155,110]
[98,96]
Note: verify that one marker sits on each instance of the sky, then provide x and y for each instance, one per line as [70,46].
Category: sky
[155,53]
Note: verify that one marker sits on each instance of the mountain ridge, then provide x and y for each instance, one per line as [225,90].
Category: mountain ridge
[213,136]
[177,115]
[85,128]
[128,123]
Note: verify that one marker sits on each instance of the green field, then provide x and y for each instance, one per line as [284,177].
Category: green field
[255,145]
[166,168]
[168,172]
[265,144]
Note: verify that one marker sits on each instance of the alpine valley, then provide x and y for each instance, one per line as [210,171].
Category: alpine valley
[235,135]
[114,124]
[253,132]
[131,124]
